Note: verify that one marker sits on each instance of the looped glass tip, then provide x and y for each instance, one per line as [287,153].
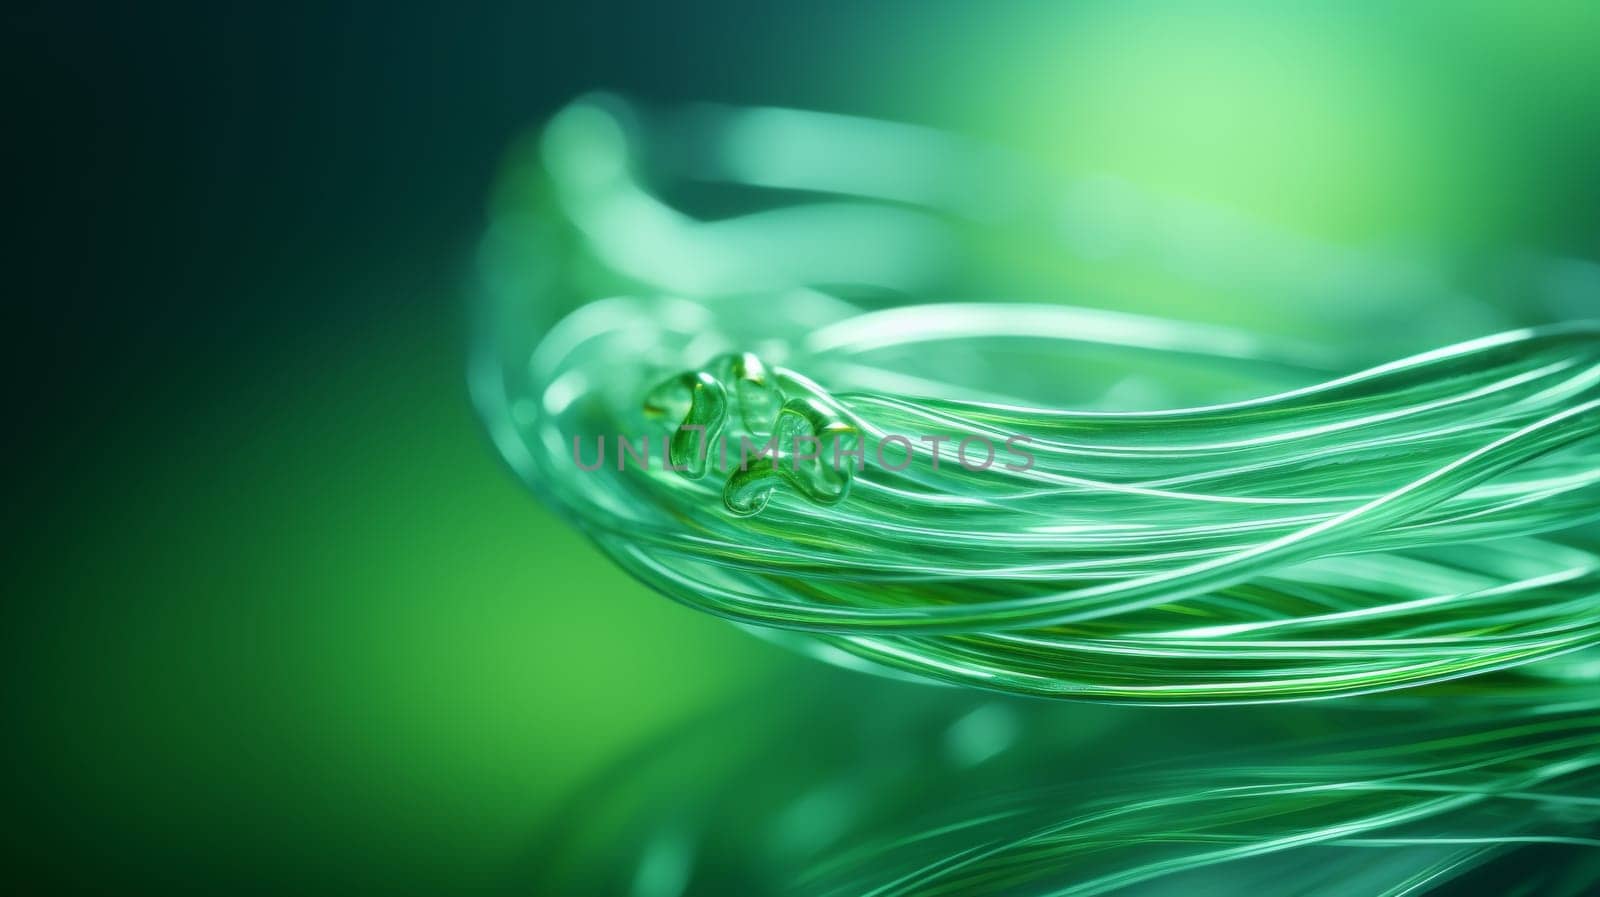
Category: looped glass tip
[812,472]
[701,404]
[795,441]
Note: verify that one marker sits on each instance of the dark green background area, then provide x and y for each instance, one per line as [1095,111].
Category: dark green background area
[276,617]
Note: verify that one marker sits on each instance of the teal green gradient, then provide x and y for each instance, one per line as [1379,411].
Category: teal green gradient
[320,634]
[279,620]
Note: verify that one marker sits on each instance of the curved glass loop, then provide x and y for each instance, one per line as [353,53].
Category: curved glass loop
[783,369]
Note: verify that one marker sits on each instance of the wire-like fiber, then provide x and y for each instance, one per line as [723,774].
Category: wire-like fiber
[1258,529]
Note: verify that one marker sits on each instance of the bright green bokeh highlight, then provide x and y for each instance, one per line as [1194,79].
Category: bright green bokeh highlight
[354,646]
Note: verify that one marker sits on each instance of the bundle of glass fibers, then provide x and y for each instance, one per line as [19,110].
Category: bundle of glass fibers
[1208,516]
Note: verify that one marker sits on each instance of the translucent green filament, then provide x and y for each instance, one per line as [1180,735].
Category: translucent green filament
[1378,530]
[1254,528]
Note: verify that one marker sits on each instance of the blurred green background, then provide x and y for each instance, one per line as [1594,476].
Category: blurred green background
[276,616]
